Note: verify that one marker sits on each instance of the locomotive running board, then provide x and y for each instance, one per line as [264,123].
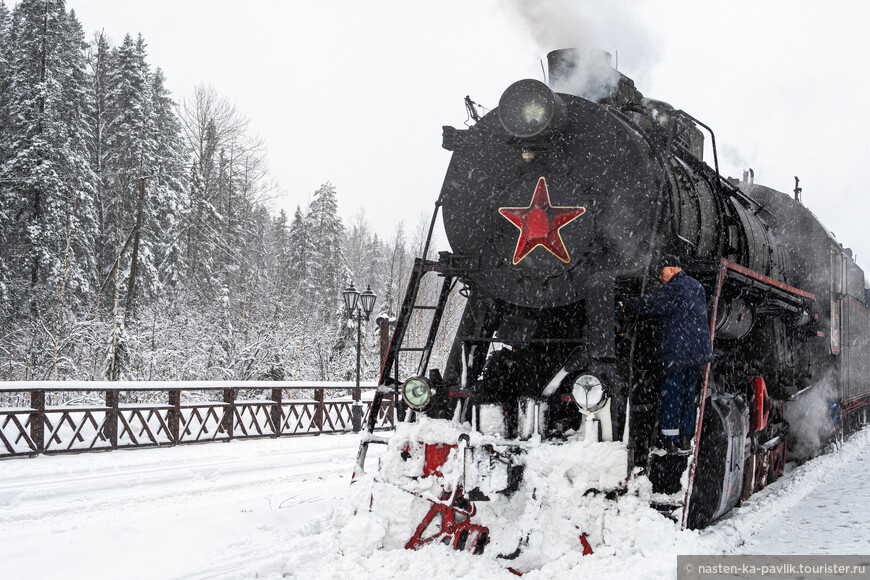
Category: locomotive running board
[726,268]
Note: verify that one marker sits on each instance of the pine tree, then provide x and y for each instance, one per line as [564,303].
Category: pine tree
[5,217]
[5,55]
[297,242]
[4,29]
[373,263]
[397,268]
[100,62]
[48,192]
[168,194]
[324,248]
[355,244]
[282,266]
[327,276]
[5,49]
[131,152]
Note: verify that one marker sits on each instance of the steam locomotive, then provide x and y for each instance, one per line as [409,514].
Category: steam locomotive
[556,205]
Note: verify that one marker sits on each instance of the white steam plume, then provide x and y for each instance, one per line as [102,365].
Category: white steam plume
[589,25]
[587,74]
[560,23]
[810,419]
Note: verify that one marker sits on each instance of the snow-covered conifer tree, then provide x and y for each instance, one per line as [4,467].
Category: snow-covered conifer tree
[327,272]
[131,152]
[99,58]
[282,266]
[297,242]
[5,218]
[47,183]
[167,188]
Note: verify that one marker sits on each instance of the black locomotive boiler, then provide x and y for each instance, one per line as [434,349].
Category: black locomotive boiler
[556,205]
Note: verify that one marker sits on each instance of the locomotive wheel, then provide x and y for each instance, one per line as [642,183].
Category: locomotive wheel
[709,472]
[777,463]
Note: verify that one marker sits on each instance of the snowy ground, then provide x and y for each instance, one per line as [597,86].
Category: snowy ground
[277,508]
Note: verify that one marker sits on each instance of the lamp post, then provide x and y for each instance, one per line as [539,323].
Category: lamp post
[359,307]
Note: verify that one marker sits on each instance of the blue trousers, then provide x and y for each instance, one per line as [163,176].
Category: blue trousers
[678,404]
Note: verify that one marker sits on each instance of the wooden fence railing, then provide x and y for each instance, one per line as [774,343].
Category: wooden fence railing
[58,417]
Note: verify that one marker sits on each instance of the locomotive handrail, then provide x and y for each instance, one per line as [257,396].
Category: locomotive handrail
[699,422]
[782,286]
[421,266]
[720,180]
[701,167]
[712,138]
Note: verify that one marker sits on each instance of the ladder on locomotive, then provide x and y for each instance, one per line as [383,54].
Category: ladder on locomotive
[390,371]
[389,381]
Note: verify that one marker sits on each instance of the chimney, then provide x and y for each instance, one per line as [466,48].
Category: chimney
[588,73]
[565,64]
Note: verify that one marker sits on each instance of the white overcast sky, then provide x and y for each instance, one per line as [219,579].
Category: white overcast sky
[355,91]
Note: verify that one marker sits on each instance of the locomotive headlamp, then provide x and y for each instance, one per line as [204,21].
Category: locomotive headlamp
[589,393]
[528,108]
[417,393]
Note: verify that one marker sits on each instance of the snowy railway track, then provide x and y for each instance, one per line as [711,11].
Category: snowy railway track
[261,562]
[156,468]
[160,480]
[163,513]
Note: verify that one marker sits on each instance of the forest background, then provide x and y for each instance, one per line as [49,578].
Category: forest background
[136,240]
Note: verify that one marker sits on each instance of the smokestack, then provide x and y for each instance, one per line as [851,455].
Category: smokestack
[588,73]
[563,64]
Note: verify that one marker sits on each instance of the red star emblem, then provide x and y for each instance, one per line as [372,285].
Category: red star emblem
[539,224]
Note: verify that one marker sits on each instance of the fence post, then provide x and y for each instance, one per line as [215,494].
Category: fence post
[175,416]
[384,326]
[37,420]
[229,411]
[111,428]
[277,411]
[319,409]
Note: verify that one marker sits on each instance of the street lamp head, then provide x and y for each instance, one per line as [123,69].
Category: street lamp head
[368,301]
[350,298]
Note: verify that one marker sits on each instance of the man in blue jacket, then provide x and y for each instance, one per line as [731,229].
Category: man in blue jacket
[680,306]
